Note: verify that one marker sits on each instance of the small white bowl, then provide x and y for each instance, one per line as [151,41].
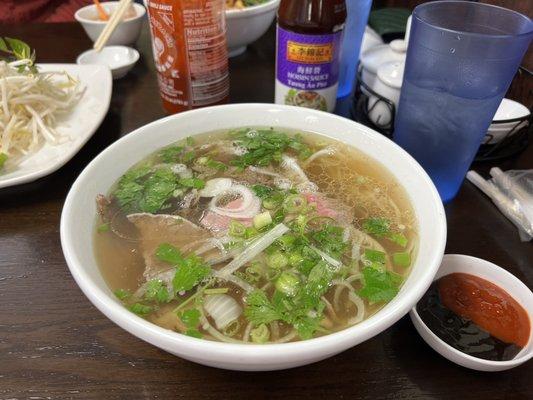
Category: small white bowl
[507,110]
[245,26]
[119,59]
[476,266]
[125,34]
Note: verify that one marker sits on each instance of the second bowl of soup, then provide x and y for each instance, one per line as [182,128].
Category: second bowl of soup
[253,237]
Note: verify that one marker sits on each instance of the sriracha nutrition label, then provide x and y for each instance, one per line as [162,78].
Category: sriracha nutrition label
[189,44]
[206,45]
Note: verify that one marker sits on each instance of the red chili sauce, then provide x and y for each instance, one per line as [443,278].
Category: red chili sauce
[475,316]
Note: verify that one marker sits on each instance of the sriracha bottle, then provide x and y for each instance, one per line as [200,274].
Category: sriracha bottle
[189,45]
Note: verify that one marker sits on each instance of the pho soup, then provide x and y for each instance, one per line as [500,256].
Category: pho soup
[255,236]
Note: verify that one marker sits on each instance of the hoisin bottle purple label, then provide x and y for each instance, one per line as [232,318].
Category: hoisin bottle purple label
[307,69]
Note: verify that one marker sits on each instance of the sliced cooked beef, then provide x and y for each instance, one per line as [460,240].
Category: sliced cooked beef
[173,229]
[102,207]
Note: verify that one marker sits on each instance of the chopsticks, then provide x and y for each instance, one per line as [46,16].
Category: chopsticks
[112,24]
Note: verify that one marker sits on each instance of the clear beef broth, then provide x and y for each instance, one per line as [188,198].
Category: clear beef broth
[352,186]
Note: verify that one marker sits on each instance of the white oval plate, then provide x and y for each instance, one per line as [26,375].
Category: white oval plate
[80,124]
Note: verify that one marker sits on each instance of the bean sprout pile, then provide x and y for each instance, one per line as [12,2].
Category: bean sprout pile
[31,104]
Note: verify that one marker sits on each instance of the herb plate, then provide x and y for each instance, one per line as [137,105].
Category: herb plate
[79,125]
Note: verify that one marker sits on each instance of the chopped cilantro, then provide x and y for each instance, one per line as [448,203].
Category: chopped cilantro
[122,294]
[192,183]
[157,291]
[3,159]
[140,309]
[191,319]
[188,157]
[262,191]
[377,226]
[259,310]
[398,238]
[216,165]
[380,227]
[191,271]
[302,310]
[103,228]
[142,189]
[168,253]
[264,146]
[158,189]
[329,239]
[171,154]
[375,256]
[379,286]
[189,140]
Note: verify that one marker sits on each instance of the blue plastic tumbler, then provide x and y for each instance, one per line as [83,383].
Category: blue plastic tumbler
[354,29]
[460,62]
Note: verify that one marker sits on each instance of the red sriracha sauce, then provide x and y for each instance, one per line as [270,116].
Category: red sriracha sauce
[487,305]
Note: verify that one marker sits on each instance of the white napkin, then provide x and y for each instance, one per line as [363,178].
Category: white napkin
[512,192]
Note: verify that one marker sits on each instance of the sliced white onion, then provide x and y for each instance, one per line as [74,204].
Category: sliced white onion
[253,250]
[223,308]
[215,186]
[251,204]
[283,183]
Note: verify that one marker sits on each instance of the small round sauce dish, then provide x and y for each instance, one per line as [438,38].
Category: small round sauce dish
[480,315]
[119,59]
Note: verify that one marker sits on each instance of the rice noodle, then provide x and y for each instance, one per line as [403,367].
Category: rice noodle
[326,151]
[30,105]
[274,329]
[246,334]
[287,338]
[330,309]
[360,308]
[280,181]
[290,164]
[356,300]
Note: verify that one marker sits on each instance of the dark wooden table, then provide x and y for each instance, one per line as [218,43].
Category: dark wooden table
[55,344]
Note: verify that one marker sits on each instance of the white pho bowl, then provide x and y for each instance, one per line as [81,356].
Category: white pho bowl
[245,26]
[511,284]
[126,33]
[79,217]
